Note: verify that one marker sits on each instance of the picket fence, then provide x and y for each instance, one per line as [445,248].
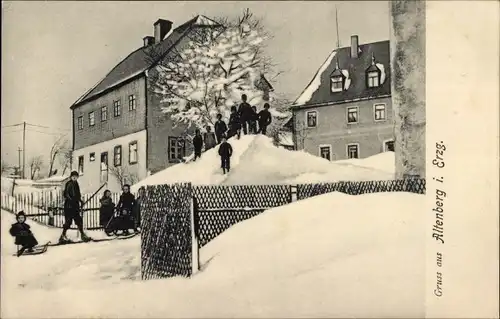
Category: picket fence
[47,208]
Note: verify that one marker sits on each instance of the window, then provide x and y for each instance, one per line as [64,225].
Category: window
[312,118]
[132,152]
[176,148]
[117,156]
[117,108]
[389,146]
[80,165]
[379,112]
[91,118]
[337,84]
[373,79]
[325,151]
[132,104]
[352,114]
[104,167]
[352,150]
[104,113]
[92,157]
[80,122]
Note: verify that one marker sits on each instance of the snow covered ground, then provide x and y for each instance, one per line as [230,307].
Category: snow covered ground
[327,256]
[257,161]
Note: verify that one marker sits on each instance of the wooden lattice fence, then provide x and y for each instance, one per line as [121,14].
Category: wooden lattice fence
[413,185]
[220,207]
[166,246]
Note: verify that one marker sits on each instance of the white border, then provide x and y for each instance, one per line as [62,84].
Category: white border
[317,118]
[347,114]
[347,150]
[330,149]
[385,141]
[385,112]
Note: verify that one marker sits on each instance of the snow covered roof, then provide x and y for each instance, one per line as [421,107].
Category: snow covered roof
[318,91]
[286,138]
[137,62]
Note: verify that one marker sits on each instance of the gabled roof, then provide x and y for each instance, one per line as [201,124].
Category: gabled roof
[137,62]
[318,91]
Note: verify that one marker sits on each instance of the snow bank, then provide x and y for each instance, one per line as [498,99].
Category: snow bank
[327,256]
[316,82]
[205,171]
[257,161]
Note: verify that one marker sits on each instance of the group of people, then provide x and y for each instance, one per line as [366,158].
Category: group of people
[243,118]
[125,215]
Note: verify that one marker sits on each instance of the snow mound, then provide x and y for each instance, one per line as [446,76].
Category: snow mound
[298,260]
[257,161]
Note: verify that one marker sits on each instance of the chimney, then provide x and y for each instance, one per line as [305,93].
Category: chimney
[148,40]
[354,46]
[162,27]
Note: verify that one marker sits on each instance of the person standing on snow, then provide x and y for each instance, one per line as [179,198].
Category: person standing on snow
[197,144]
[209,139]
[234,123]
[225,152]
[23,234]
[253,120]
[220,128]
[245,112]
[125,207]
[264,119]
[72,206]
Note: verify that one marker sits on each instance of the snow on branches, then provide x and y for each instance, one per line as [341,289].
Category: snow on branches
[210,74]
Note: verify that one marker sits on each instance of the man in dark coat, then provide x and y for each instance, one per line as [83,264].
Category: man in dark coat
[197,144]
[264,119]
[209,139]
[72,206]
[253,120]
[245,112]
[126,207]
[225,152]
[220,128]
[23,234]
[234,123]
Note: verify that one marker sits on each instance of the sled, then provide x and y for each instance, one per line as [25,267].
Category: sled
[37,250]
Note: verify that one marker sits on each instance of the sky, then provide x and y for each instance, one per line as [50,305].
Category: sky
[52,52]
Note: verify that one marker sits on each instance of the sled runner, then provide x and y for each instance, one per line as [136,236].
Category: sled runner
[120,225]
[37,250]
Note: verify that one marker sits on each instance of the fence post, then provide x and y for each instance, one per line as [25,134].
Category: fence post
[195,254]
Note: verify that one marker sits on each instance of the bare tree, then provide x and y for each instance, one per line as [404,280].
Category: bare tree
[300,134]
[65,156]
[5,167]
[54,152]
[35,164]
[123,175]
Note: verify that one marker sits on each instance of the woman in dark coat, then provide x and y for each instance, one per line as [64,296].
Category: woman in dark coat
[107,208]
[23,234]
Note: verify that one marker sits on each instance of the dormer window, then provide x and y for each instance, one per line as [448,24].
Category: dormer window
[373,75]
[337,79]
[373,79]
[337,84]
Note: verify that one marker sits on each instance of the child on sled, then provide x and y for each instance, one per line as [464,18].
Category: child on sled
[124,218]
[24,237]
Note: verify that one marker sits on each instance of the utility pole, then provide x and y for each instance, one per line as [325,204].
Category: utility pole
[24,148]
[19,157]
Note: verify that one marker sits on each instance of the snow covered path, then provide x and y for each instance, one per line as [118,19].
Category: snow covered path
[328,256]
